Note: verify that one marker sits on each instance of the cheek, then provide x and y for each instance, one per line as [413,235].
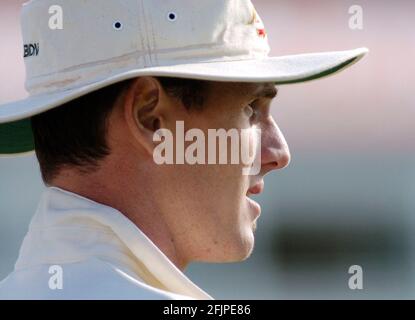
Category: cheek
[215,193]
[215,188]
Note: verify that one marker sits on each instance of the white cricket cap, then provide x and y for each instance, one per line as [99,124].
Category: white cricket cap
[104,42]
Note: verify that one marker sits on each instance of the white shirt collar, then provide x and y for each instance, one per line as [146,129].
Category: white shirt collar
[70,228]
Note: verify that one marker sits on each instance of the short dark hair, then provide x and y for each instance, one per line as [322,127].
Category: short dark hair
[74,134]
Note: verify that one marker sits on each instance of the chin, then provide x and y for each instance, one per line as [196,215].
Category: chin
[244,246]
[250,245]
[232,249]
[244,240]
[236,241]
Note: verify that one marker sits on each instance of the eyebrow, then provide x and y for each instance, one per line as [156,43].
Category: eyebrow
[268,91]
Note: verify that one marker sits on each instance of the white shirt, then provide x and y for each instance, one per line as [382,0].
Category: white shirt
[79,249]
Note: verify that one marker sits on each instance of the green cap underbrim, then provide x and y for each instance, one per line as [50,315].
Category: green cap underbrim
[16,137]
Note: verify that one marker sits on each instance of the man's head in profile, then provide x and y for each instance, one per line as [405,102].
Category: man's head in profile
[101,146]
[111,86]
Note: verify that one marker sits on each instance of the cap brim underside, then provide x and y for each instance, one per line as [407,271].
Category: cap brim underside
[15,129]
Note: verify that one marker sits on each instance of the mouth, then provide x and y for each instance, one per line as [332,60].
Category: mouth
[253,190]
[256,188]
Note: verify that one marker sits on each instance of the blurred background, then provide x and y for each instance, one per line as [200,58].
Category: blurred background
[348,197]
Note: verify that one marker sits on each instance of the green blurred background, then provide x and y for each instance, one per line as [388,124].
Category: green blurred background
[348,197]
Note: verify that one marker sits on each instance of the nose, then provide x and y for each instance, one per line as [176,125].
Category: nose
[275,153]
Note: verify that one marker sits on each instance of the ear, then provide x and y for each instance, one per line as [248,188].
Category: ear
[142,110]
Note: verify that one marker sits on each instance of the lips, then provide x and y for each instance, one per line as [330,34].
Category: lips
[256,188]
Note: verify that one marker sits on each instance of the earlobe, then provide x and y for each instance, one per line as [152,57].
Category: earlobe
[142,112]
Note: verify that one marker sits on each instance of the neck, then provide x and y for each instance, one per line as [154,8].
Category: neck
[132,198]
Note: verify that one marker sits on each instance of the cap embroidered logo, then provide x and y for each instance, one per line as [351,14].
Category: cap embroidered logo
[257,22]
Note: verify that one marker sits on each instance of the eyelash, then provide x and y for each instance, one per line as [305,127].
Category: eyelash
[254,110]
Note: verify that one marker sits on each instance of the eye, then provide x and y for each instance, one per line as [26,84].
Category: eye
[251,111]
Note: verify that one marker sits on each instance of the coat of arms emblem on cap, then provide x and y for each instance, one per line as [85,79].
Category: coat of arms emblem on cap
[257,22]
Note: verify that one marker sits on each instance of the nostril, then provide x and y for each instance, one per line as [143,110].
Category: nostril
[282,158]
[275,159]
